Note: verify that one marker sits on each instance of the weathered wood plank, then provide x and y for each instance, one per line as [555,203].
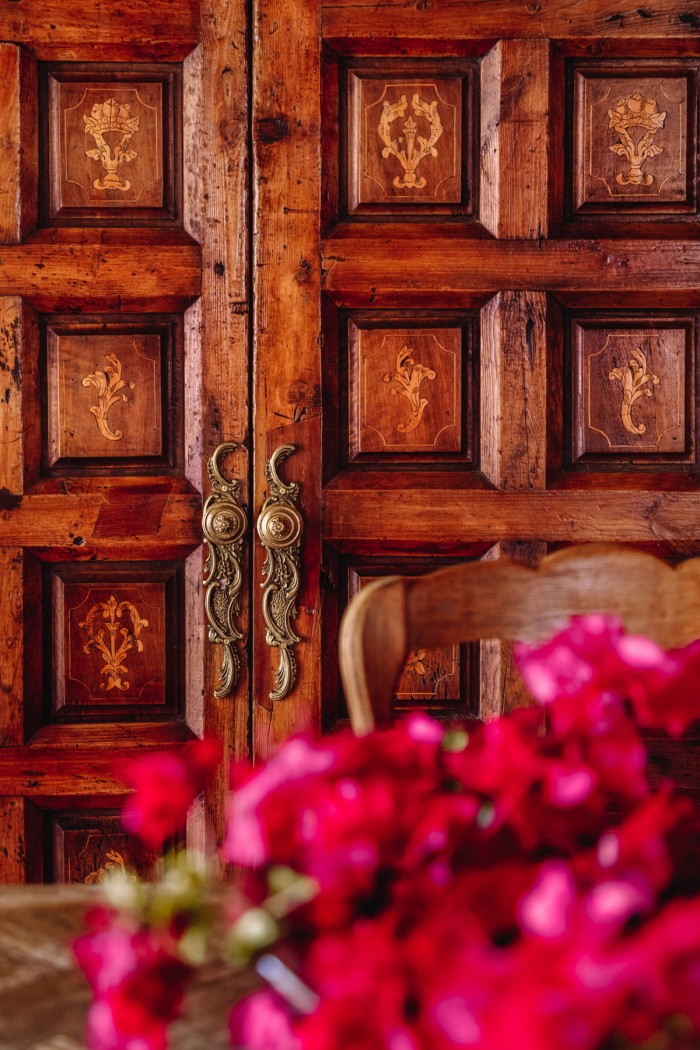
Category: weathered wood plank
[514,129]
[12,843]
[286,103]
[19,137]
[11,646]
[217,356]
[87,276]
[348,20]
[514,390]
[11,396]
[434,270]
[90,30]
[446,519]
[76,770]
[158,524]
[513,451]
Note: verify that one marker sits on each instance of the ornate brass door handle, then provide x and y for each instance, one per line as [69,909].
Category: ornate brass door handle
[224,524]
[280,526]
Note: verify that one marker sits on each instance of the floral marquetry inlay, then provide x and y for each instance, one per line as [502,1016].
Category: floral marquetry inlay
[93,849]
[436,679]
[114,867]
[631,136]
[636,112]
[104,395]
[110,388]
[112,643]
[113,629]
[636,383]
[408,376]
[405,390]
[106,144]
[104,117]
[404,141]
[632,393]
[410,155]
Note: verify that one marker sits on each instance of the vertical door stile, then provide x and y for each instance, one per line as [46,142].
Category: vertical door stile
[287,349]
[515,135]
[217,334]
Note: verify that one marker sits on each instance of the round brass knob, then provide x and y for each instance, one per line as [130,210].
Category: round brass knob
[280,526]
[224,524]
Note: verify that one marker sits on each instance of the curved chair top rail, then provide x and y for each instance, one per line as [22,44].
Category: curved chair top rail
[501,599]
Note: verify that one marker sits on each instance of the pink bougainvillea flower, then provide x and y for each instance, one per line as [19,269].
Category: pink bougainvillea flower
[296,760]
[138,983]
[667,696]
[582,658]
[262,1021]
[339,811]
[593,657]
[165,786]
[662,963]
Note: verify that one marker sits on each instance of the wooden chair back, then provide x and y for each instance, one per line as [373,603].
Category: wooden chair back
[503,600]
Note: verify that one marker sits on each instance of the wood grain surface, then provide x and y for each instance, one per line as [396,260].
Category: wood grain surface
[515,137]
[80,275]
[92,31]
[286,101]
[447,271]
[449,519]
[346,21]
[18,130]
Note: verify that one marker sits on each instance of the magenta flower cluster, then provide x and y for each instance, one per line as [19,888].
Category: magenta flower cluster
[513,883]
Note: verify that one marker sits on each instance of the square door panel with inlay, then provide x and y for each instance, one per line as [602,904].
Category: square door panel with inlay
[435,680]
[409,139]
[113,394]
[110,143]
[633,383]
[634,136]
[94,849]
[116,641]
[410,390]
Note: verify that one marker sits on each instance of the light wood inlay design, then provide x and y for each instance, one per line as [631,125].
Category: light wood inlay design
[94,848]
[106,144]
[631,389]
[635,384]
[631,141]
[104,396]
[404,140]
[112,637]
[114,643]
[110,388]
[405,390]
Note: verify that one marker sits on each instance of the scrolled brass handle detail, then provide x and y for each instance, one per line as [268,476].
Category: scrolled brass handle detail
[224,524]
[280,527]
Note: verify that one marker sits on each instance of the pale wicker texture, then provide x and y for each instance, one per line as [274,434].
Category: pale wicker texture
[43,995]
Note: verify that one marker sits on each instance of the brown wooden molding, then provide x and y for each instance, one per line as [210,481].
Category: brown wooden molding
[357,23]
[93,31]
[448,519]
[135,522]
[61,277]
[445,271]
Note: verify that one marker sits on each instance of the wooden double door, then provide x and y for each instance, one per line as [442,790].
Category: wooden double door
[428,273]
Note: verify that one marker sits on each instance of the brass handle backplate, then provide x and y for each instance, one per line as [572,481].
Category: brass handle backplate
[280,527]
[224,524]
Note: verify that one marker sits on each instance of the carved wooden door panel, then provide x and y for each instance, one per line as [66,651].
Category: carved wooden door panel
[123,351]
[497,352]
